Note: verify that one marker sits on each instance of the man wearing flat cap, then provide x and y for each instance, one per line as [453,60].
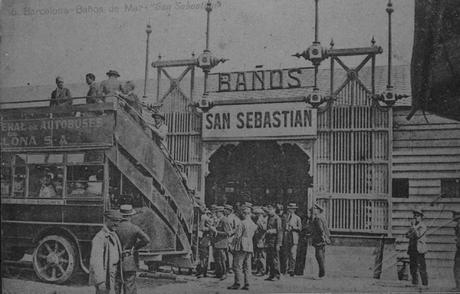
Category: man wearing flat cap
[206,223]
[456,215]
[221,234]
[417,248]
[112,86]
[320,237]
[132,238]
[291,237]
[105,267]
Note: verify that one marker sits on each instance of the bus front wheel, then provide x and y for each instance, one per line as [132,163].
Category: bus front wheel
[54,259]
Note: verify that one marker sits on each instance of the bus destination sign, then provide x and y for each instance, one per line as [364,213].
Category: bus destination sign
[63,132]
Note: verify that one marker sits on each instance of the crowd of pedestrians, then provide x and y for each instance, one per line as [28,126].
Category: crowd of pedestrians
[259,240]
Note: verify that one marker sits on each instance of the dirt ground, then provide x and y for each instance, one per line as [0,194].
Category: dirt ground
[25,282]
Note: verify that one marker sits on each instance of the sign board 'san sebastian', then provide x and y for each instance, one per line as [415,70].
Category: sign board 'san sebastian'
[258,121]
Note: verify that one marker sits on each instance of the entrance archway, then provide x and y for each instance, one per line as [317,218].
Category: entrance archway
[260,172]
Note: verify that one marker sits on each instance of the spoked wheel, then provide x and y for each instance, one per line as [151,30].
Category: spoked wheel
[54,259]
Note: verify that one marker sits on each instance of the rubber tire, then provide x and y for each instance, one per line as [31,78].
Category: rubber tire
[73,259]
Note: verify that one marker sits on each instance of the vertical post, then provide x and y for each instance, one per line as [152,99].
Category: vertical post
[316,21]
[148,31]
[158,81]
[208,12]
[389,11]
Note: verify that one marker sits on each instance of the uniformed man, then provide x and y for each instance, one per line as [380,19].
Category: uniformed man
[132,239]
[291,237]
[320,237]
[234,220]
[273,239]
[204,243]
[243,248]
[283,252]
[221,233]
[105,268]
[259,242]
[457,253]
[417,248]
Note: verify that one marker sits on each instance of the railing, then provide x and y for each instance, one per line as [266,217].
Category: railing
[348,214]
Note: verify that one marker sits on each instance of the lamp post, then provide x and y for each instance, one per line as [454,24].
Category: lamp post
[148,30]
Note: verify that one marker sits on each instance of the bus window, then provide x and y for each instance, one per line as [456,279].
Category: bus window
[86,157]
[19,176]
[45,181]
[85,180]
[6,175]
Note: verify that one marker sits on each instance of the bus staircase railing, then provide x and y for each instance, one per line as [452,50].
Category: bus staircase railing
[137,152]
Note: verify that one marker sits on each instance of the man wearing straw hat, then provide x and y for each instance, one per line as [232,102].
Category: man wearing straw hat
[320,237]
[159,128]
[132,239]
[105,268]
[417,248]
[291,237]
[112,85]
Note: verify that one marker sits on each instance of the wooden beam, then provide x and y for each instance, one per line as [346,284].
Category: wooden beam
[354,51]
[175,63]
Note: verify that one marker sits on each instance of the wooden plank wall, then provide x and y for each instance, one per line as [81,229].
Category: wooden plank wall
[426,149]
[184,136]
[353,162]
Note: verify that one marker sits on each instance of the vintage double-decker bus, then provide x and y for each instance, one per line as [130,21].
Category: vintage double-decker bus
[63,166]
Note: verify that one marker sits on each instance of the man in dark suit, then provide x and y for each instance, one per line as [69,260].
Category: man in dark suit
[291,237]
[221,233]
[132,239]
[273,239]
[320,237]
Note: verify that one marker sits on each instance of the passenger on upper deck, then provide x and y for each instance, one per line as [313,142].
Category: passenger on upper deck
[127,93]
[159,128]
[93,95]
[61,95]
[112,85]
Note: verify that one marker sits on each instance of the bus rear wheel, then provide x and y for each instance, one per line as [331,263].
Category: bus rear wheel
[54,259]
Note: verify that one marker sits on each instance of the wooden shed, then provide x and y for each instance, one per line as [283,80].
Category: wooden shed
[426,175]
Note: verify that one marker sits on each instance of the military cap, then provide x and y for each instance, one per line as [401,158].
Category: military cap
[257,210]
[228,207]
[219,208]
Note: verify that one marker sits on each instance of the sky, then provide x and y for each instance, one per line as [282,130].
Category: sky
[41,39]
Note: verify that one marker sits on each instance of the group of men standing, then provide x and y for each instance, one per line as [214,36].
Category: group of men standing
[114,260]
[266,238]
[113,87]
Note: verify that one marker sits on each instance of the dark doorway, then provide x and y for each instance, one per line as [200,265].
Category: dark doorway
[261,172]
